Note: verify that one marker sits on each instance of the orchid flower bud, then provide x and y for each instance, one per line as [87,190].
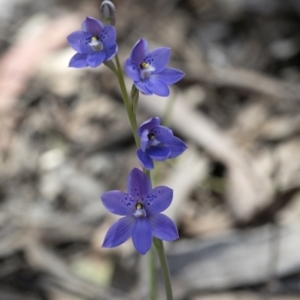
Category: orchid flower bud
[107,10]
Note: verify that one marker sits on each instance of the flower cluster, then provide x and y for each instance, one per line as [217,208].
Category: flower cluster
[141,206]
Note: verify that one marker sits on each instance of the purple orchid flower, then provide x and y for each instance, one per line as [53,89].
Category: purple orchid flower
[149,70]
[141,207]
[157,142]
[95,43]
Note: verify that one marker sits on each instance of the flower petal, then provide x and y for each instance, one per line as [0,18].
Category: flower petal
[139,51]
[92,26]
[108,36]
[118,203]
[176,146]
[163,227]
[144,139]
[157,87]
[111,52]
[78,61]
[96,59]
[144,159]
[158,153]
[158,200]
[162,134]
[132,70]
[119,232]
[142,87]
[169,76]
[77,40]
[148,125]
[138,184]
[159,58]
[142,235]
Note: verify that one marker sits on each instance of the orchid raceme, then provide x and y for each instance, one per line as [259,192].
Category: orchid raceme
[149,70]
[94,44]
[157,143]
[141,209]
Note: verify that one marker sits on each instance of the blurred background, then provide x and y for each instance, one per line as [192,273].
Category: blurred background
[65,139]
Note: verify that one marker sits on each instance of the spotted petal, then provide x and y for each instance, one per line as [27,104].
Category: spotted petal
[132,70]
[148,125]
[162,134]
[77,40]
[118,203]
[108,36]
[139,51]
[158,199]
[159,58]
[138,184]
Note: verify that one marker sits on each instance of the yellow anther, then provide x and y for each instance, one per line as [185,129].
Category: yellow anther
[95,38]
[139,206]
[151,136]
[144,65]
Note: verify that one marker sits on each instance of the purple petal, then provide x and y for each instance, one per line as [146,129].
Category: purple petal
[92,26]
[119,232]
[163,227]
[118,203]
[77,40]
[157,87]
[162,134]
[144,159]
[108,36]
[132,70]
[159,58]
[142,235]
[177,146]
[159,153]
[158,200]
[144,140]
[148,125]
[142,87]
[138,184]
[139,51]
[169,76]
[111,52]
[78,61]
[96,59]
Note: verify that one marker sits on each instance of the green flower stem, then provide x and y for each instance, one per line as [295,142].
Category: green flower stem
[127,101]
[111,66]
[135,98]
[167,115]
[152,274]
[164,267]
